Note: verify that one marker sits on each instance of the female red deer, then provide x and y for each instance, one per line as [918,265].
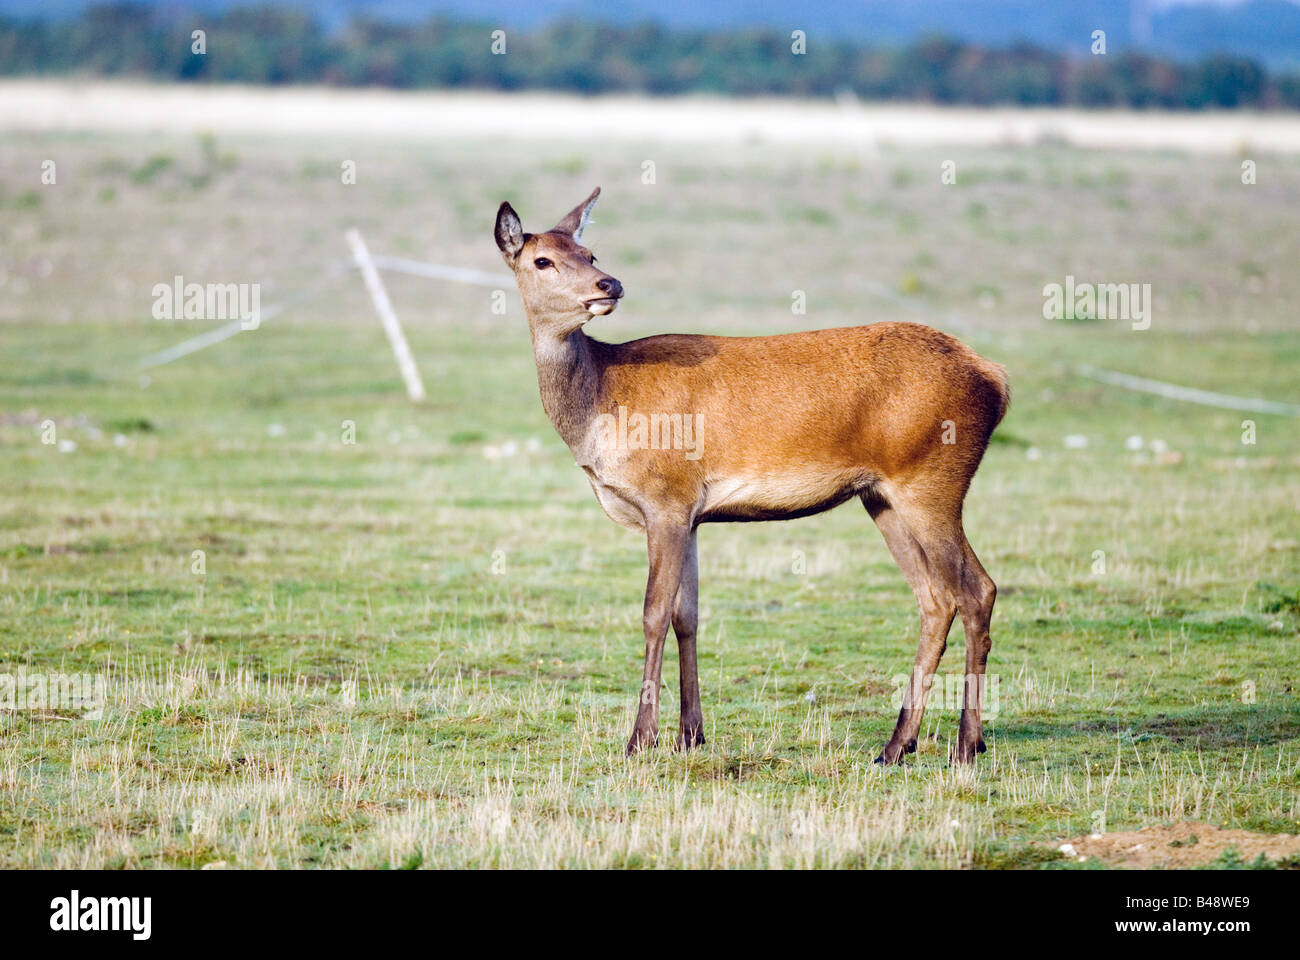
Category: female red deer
[674,431]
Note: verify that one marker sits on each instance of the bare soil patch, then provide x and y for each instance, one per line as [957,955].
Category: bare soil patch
[1182,845]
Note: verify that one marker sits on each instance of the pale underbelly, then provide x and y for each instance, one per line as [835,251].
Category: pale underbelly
[780,495]
[770,496]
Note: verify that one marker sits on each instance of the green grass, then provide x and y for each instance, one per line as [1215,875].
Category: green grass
[406,653]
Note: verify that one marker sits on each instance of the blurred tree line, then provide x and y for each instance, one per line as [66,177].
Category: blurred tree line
[274,45]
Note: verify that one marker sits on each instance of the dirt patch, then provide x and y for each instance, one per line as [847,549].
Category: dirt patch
[1180,845]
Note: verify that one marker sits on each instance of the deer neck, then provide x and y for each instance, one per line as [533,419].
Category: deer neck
[568,375]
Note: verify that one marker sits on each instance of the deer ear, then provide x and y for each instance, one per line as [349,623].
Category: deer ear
[578,217]
[509,232]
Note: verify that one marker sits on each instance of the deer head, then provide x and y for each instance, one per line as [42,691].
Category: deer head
[561,286]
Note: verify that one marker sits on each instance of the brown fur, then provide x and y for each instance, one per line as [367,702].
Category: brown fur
[789,425]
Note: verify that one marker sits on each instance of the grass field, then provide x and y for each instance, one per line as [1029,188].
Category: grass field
[423,648]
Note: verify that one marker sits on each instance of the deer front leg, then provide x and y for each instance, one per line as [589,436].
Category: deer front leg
[667,545]
[685,621]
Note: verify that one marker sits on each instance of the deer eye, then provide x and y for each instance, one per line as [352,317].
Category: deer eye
[593,258]
[541,263]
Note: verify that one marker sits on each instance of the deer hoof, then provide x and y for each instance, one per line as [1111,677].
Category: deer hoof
[640,742]
[965,753]
[894,753]
[689,741]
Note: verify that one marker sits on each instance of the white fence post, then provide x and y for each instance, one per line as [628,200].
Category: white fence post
[405,362]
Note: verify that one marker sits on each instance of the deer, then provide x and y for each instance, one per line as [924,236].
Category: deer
[895,414]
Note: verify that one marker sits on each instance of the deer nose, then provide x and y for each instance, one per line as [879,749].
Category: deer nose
[610,286]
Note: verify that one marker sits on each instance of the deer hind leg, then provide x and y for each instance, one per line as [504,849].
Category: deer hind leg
[979,593]
[938,606]
[952,563]
[685,623]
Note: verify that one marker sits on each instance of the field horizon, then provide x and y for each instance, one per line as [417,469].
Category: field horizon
[33,105]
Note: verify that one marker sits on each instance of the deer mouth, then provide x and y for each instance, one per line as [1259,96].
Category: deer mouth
[601,305]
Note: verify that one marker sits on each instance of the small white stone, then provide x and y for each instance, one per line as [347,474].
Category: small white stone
[120,440]
[67,446]
[275,430]
[1067,850]
[1033,453]
[1076,441]
[1133,443]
